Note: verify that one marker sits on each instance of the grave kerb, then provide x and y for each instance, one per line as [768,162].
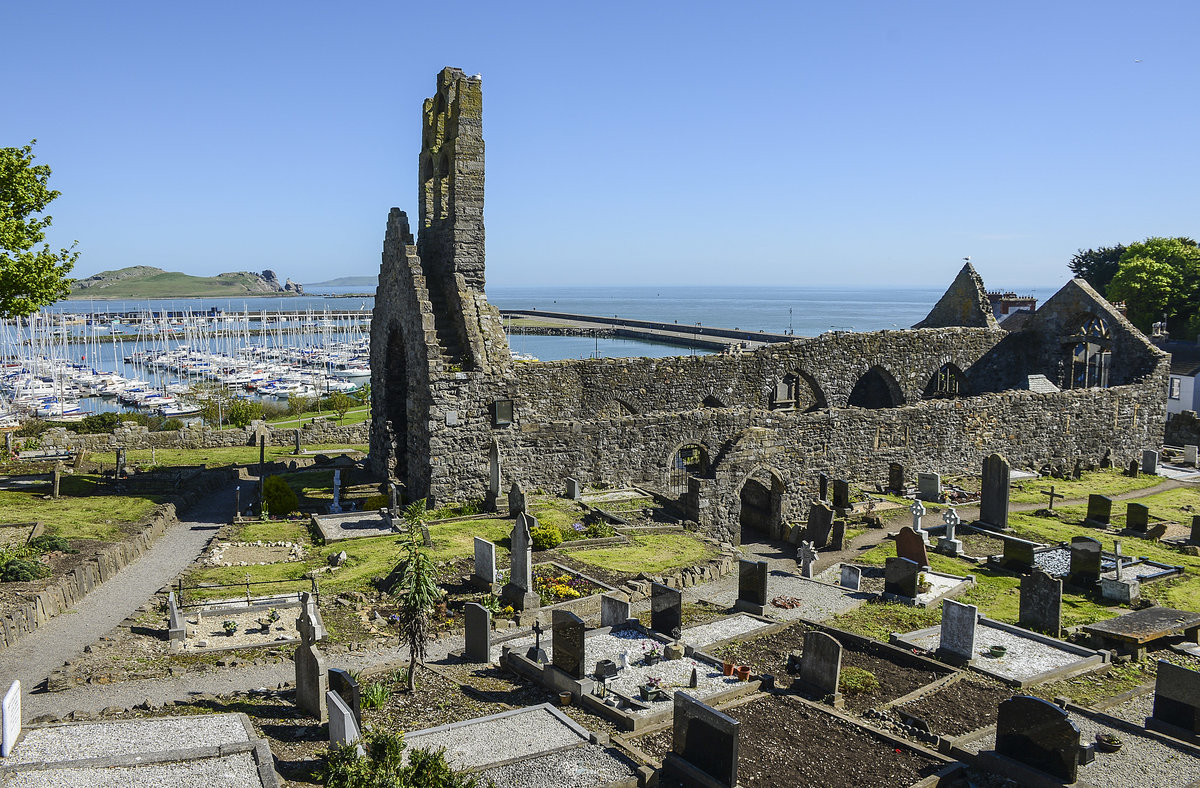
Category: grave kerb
[11,718]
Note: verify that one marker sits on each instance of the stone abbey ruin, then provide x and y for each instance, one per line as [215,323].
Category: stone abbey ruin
[736,439]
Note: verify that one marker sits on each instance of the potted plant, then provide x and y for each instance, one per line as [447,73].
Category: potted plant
[997,651]
[652,690]
[727,668]
[273,615]
[652,655]
[743,672]
[230,627]
[1108,742]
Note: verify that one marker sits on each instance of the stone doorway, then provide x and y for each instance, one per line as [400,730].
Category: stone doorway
[761,505]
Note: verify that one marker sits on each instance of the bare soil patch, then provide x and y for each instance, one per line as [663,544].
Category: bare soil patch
[961,707]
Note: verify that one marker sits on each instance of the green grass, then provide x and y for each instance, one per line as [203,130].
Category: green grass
[225,455]
[879,620]
[353,416]
[457,539]
[79,513]
[652,553]
[1100,482]
[558,512]
[273,531]
[172,284]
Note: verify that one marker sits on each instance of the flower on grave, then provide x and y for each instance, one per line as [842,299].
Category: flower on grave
[651,651]
[229,626]
[654,682]
[578,527]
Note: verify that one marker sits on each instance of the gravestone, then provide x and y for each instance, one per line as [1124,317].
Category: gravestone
[349,690]
[910,545]
[614,610]
[1077,471]
[1156,532]
[918,511]
[821,666]
[752,586]
[704,745]
[8,443]
[568,649]
[958,631]
[516,500]
[1191,454]
[929,486]
[121,474]
[820,522]
[1150,462]
[574,489]
[896,479]
[900,577]
[1195,535]
[666,609]
[837,537]
[336,506]
[851,577]
[1106,460]
[806,557]
[1085,561]
[343,725]
[311,681]
[478,633]
[1039,734]
[393,499]
[949,544]
[519,591]
[296,440]
[993,501]
[1099,510]
[1176,697]
[310,617]
[11,714]
[1018,554]
[176,629]
[485,561]
[1041,603]
[841,494]
[822,486]
[58,468]
[1132,471]
[1137,517]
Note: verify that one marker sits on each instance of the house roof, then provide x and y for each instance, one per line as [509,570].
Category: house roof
[1185,358]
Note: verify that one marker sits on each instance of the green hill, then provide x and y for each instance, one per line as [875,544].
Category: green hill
[347,281]
[144,281]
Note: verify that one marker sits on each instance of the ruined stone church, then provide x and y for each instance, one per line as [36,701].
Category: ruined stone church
[737,440]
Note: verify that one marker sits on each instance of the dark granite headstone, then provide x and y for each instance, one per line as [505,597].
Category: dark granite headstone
[1041,603]
[1177,697]
[821,666]
[896,479]
[1039,734]
[1085,561]
[1196,528]
[1018,554]
[1137,517]
[910,545]
[567,650]
[752,582]
[900,577]
[478,623]
[1099,511]
[705,740]
[820,523]
[837,537]
[1133,469]
[666,609]
[516,500]
[341,682]
[993,500]
[841,494]
[822,487]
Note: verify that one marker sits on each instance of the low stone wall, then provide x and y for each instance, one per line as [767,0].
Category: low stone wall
[1183,429]
[65,592]
[136,436]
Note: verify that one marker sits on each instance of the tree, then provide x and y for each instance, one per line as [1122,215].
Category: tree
[1097,266]
[279,496]
[213,399]
[340,403]
[1159,276]
[363,394]
[30,278]
[418,591]
[243,411]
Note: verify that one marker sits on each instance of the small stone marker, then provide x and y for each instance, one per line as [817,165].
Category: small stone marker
[704,745]
[121,463]
[516,500]
[910,545]
[820,522]
[614,610]
[485,561]
[519,591]
[841,494]
[58,467]
[821,667]
[948,544]
[343,727]
[12,718]
[958,631]
[569,644]
[694,681]
[918,511]
[1018,554]
[1039,734]
[1195,535]
[993,501]
[929,486]
[1052,495]
[1150,462]
[1176,698]
[806,556]
[900,577]
[1099,510]
[337,559]
[394,499]
[822,486]
[574,489]
[1041,603]
[752,586]
[1137,517]
[1132,472]
[666,609]
[175,626]
[336,506]
[350,691]
[837,537]
[1085,561]
[851,577]
[478,633]
[296,437]
[1077,471]
[1191,454]
[896,479]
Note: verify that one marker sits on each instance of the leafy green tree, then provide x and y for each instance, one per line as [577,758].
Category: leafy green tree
[213,400]
[1097,266]
[1159,276]
[418,591]
[243,411]
[30,278]
[340,403]
[363,394]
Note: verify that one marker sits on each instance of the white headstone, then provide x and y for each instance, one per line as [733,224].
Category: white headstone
[1117,555]
[929,486]
[336,506]
[1149,462]
[343,729]
[851,577]
[807,557]
[958,629]
[12,718]
[485,560]
[1190,454]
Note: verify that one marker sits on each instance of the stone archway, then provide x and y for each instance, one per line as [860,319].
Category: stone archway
[877,388]
[760,504]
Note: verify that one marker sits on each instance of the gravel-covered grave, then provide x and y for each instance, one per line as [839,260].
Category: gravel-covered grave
[790,596]
[722,629]
[126,737]
[231,771]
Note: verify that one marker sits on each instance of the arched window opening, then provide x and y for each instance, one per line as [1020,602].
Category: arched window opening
[711,401]
[949,381]
[784,395]
[691,459]
[876,389]
[797,392]
[1091,354]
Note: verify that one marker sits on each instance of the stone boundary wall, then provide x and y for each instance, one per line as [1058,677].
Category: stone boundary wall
[65,592]
[1183,429]
[135,436]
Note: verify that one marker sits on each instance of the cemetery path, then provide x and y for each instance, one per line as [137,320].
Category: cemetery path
[63,638]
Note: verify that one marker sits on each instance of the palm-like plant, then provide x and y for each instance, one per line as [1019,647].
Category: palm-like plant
[418,591]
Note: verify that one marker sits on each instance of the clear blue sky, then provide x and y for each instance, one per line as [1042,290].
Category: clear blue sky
[689,143]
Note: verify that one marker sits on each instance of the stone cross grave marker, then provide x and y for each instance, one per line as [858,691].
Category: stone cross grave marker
[821,667]
[1133,469]
[1176,697]
[574,489]
[1085,561]
[349,690]
[806,556]
[12,718]
[1052,495]
[485,561]
[958,631]
[918,513]
[567,653]
[1137,517]
[910,545]
[900,577]
[822,485]
[176,629]
[478,633]
[1039,734]
[336,506]
[704,745]
[929,486]
[820,522]
[1099,510]
[752,586]
[841,494]
[949,544]
[993,500]
[519,591]
[311,681]
[536,652]
[1191,454]
[896,479]
[343,727]
[614,610]
[1041,603]
[666,609]
[516,500]
[1150,462]
[851,577]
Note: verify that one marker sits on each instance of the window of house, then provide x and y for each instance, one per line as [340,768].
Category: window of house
[1175,385]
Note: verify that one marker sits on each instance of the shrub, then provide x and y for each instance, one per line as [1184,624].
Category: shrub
[32,428]
[47,542]
[375,695]
[857,680]
[384,765]
[20,570]
[96,423]
[243,411]
[279,496]
[546,537]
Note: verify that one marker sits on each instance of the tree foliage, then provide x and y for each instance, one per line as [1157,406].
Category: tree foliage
[30,277]
[1097,266]
[1159,276]
[340,403]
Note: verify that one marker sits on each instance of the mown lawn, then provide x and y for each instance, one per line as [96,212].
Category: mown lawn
[1100,482]
[81,512]
[651,553]
[224,455]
